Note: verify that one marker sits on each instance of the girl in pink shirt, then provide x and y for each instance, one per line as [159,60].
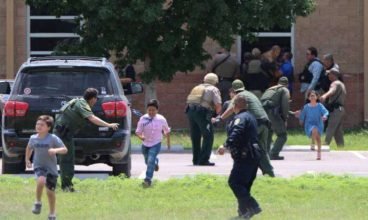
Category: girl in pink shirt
[149,129]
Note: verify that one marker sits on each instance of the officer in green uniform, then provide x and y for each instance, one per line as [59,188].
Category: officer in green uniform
[275,101]
[203,102]
[73,117]
[255,108]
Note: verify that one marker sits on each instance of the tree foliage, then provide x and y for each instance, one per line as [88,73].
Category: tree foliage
[170,33]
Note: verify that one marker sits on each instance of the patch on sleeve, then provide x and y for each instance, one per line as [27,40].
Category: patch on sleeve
[237,121]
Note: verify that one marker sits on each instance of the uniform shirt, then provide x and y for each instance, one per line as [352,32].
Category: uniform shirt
[254,105]
[280,97]
[41,157]
[74,116]
[227,69]
[338,93]
[315,68]
[242,133]
[211,97]
[152,129]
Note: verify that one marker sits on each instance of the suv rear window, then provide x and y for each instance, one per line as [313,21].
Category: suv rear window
[63,81]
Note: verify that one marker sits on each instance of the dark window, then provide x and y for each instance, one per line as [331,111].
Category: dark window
[265,43]
[46,43]
[53,26]
[71,82]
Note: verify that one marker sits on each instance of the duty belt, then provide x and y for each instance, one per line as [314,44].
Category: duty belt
[226,78]
[196,107]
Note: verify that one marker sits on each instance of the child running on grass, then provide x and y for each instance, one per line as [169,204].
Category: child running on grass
[312,116]
[45,147]
[149,130]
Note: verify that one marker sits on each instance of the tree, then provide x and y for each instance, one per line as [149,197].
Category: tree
[168,34]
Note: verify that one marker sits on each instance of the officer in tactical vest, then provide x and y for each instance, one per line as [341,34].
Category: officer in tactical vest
[275,101]
[255,108]
[72,118]
[204,101]
[243,145]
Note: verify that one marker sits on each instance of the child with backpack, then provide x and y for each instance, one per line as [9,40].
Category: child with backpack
[312,116]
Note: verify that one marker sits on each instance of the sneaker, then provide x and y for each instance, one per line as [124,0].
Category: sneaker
[276,157]
[68,189]
[37,208]
[207,164]
[51,217]
[156,167]
[146,184]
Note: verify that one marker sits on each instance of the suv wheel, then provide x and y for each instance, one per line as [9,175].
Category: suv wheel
[9,167]
[124,168]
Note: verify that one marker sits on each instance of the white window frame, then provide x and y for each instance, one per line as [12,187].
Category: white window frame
[44,35]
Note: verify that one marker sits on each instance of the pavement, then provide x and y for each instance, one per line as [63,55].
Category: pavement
[177,163]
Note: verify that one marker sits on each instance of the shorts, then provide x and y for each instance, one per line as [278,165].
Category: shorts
[51,179]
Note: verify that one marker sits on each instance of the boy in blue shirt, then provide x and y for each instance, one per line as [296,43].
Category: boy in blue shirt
[45,147]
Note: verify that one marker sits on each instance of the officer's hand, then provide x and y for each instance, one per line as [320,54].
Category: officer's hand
[114,126]
[322,98]
[297,114]
[221,150]
[213,120]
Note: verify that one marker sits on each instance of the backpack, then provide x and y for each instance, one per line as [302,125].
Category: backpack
[270,98]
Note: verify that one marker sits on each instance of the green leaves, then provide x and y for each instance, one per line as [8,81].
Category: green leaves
[170,33]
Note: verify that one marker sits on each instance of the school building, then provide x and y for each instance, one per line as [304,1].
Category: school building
[339,27]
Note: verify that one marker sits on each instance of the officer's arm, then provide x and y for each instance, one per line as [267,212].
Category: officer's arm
[285,104]
[97,121]
[218,108]
[236,134]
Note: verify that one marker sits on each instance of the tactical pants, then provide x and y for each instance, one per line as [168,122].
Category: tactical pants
[265,163]
[278,126]
[334,127]
[66,161]
[200,126]
[241,180]
[224,86]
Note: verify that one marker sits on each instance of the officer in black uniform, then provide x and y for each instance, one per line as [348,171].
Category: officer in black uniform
[243,145]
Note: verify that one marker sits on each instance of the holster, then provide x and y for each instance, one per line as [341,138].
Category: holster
[62,130]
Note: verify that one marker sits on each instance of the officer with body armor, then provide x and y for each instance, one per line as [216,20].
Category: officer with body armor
[72,118]
[203,102]
[243,145]
[275,101]
[255,108]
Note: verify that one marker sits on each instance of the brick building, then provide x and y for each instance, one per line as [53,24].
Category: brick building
[337,26]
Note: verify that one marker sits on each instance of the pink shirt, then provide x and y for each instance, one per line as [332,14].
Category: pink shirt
[152,129]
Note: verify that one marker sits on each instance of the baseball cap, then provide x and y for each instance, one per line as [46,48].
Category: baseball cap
[238,85]
[210,78]
[334,70]
[283,81]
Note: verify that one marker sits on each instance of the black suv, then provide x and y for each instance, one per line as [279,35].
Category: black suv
[43,85]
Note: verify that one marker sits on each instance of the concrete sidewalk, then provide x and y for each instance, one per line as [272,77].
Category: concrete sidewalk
[180,149]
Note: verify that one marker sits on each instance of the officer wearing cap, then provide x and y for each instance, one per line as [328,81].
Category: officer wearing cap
[243,145]
[203,102]
[255,108]
[275,101]
[336,99]
[72,118]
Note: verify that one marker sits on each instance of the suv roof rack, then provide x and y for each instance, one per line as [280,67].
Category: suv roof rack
[33,59]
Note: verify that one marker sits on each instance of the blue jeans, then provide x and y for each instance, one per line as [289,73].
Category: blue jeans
[150,158]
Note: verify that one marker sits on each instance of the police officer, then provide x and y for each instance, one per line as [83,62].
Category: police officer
[336,99]
[203,102]
[243,145]
[227,69]
[275,101]
[72,118]
[255,108]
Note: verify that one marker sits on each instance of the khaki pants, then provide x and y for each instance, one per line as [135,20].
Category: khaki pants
[334,127]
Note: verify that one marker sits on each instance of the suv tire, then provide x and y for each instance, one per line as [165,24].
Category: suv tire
[12,168]
[124,168]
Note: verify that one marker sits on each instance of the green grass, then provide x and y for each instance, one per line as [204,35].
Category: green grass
[356,139]
[201,197]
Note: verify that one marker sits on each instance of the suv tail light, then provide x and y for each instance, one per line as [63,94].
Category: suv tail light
[14,108]
[114,109]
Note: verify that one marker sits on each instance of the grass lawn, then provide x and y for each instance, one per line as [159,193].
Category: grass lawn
[356,139]
[201,197]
